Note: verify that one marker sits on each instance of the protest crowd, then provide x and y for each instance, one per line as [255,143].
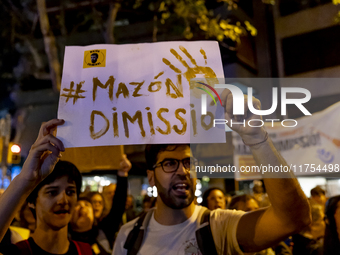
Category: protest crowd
[170,127]
[45,199]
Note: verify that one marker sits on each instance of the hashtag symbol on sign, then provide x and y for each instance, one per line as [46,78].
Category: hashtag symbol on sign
[75,94]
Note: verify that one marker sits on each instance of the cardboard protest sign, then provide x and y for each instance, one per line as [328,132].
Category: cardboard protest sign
[94,158]
[136,94]
[87,159]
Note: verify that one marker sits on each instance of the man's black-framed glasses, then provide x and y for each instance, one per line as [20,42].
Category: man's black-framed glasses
[170,165]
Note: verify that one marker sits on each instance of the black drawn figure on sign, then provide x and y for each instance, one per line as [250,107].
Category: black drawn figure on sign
[94,57]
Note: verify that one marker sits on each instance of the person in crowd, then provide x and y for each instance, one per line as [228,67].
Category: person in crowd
[318,195]
[310,240]
[227,198]
[29,177]
[52,204]
[82,228]
[25,219]
[246,203]
[171,227]
[130,212]
[259,195]
[108,194]
[117,194]
[129,203]
[332,232]
[214,198]
[52,197]
[148,203]
[88,226]
[98,204]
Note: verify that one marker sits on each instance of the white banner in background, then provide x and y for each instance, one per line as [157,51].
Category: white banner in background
[135,93]
[315,140]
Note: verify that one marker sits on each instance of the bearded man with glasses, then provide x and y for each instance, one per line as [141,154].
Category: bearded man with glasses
[171,228]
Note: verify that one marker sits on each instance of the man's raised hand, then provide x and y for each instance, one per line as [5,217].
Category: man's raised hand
[240,123]
[125,166]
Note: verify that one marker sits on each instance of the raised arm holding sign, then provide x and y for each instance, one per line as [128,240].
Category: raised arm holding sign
[40,162]
[289,210]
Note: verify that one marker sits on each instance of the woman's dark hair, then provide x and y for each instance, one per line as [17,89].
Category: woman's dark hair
[92,193]
[62,168]
[239,198]
[331,241]
[152,151]
[317,191]
[206,195]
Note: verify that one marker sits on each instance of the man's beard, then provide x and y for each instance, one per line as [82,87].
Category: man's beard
[172,201]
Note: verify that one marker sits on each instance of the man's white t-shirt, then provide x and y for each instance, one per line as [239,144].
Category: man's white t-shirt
[180,239]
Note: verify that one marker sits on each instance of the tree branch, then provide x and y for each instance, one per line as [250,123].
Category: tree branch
[114,7]
[50,46]
[155,28]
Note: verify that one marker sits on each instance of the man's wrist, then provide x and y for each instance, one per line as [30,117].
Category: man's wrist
[255,138]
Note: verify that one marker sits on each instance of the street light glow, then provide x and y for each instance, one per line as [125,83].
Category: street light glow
[15,148]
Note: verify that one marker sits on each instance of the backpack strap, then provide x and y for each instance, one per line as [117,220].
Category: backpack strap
[103,242]
[135,238]
[24,247]
[83,248]
[204,235]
